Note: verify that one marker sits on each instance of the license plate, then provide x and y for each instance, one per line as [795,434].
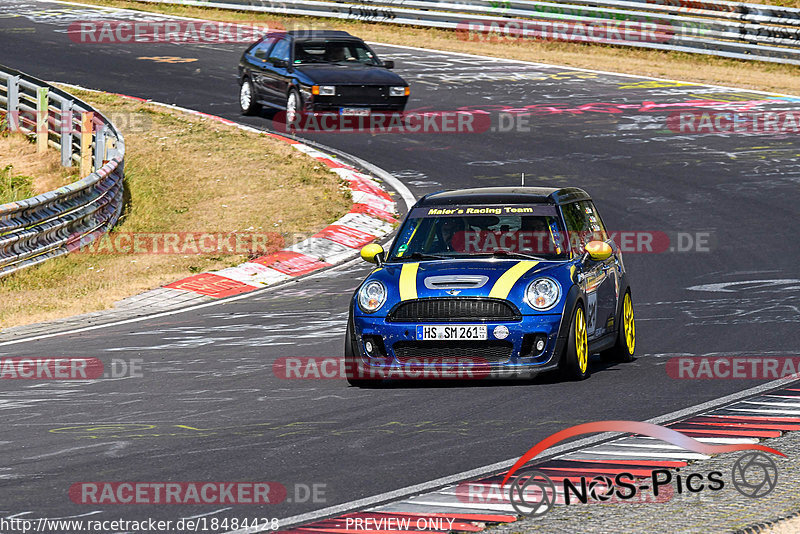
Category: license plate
[355,112]
[450,332]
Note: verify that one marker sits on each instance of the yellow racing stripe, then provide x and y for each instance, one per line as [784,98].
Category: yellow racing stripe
[503,286]
[408,281]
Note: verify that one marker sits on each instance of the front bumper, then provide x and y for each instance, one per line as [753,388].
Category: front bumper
[328,104]
[395,349]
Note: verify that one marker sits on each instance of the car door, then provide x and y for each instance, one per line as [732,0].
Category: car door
[584,225]
[276,73]
[259,62]
[608,290]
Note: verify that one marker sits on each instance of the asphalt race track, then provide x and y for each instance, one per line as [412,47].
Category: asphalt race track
[208,406]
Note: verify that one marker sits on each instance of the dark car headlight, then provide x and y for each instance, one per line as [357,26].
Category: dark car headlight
[371,296]
[542,294]
[399,90]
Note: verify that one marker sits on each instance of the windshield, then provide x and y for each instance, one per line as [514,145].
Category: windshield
[531,230]
[337,52]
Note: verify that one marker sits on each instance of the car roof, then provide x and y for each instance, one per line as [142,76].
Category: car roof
[505,195]
[305,35]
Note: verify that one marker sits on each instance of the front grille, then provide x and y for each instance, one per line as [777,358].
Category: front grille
[361,94]
[431,352]
[454,309]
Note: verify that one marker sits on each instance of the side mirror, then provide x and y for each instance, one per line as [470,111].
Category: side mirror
[598,250]
[389,64]
[373,253]
[280,63]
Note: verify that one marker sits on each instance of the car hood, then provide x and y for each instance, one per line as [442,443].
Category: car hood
[350,74]
[500,278]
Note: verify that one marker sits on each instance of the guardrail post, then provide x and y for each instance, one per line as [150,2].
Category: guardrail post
[13,103]
[87,126]
[42,116]
[111,147]
[66,133]
[100,146]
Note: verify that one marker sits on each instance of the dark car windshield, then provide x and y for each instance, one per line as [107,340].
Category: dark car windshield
[337,52]
[517,230]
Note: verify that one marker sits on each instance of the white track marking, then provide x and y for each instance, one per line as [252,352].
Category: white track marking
[766,412]
[779,404]
[682,455]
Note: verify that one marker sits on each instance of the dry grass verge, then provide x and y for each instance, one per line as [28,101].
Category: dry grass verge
[183,173]
[24,173]
[676,65]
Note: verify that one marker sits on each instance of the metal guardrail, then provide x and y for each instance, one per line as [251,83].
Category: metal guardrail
[712,27]
[54,223]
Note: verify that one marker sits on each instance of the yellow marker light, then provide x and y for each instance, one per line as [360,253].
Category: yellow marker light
[315,89]
[408,91]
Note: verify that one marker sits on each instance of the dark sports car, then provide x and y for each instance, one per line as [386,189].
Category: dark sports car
[318,71]
[508,281]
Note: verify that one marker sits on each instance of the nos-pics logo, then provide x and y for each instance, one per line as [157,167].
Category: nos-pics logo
[533,493]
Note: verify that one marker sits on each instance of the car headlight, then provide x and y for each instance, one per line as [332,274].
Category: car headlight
[323,90]
[542,294]
[371,296]
[399,90]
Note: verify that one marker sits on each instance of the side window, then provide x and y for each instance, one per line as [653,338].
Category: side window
[595,223]
[262,49]
[578,226]
[364,56]
[280,51]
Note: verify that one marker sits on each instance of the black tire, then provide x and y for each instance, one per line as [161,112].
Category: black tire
[294,112]
[624,347]
[574,363]
[247,98]
[352,362]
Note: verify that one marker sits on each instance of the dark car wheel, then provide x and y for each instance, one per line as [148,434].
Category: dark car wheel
[574,363]
[247,98]
[352,362]
[623,349]
[294,107]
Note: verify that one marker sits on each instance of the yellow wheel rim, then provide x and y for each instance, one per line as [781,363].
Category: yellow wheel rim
[581,347]
[629,324]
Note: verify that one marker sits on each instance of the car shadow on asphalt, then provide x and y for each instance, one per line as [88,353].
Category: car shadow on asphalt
[596,365]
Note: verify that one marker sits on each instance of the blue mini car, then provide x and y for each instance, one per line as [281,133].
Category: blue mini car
[492,282]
